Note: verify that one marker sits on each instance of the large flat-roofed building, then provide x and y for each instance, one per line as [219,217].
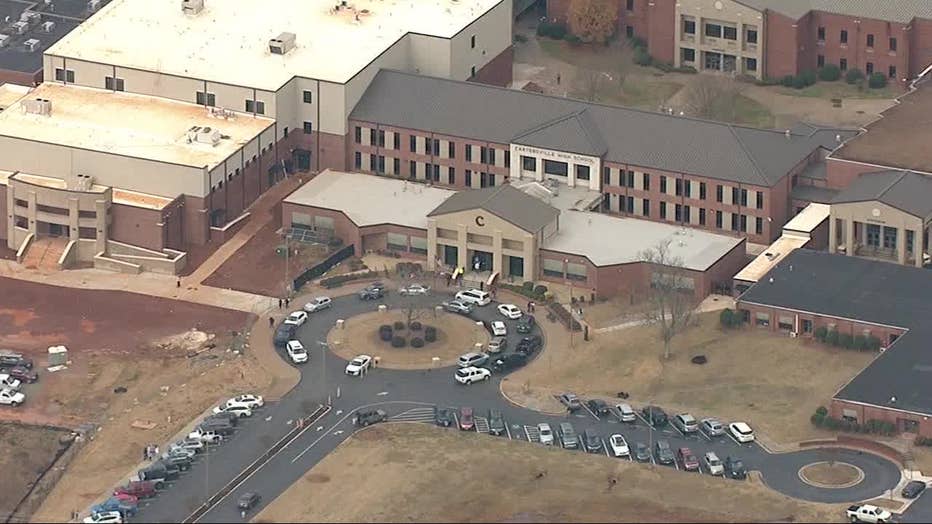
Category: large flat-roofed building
[809,290]
[506,231]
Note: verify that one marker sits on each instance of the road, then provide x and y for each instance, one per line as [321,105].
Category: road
[410,395]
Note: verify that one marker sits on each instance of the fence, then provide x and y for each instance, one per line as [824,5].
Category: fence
[323,267]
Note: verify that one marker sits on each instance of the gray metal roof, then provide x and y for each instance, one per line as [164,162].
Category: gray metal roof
[907,191]
[630,136]
[870,291]
[822,195]
[890,10]
[508,203]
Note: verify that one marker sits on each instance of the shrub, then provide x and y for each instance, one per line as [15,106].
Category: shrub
[829,73]
[877,81]
[385,332]
[808,78]
[820,333]
[523,290]
[666,67]
[854,76]
[821,411]
[846,341]
[528,286]
[788,80]
[859,343]
[414,326]
[430,333]
[726,318]
[873,343]
[642,57]
[540,289]
[637,42]
[398,341]
[799,82]
[832,338]
[339,280]
[686,69]
[572,39]
[923,441]
[417,342]
[556,31]
[399,325]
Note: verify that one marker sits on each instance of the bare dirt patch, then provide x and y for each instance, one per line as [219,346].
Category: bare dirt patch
[456,335]
[414,472]
[25,452]
[838,474]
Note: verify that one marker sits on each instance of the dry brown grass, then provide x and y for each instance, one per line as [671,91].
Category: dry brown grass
[831,474]
[418,473]
[25,451]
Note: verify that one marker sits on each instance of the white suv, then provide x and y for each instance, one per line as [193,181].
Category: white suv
[474,296]
[471,374]
[237,409]
[741,431]
[473,359]
[296,352]
[546,434]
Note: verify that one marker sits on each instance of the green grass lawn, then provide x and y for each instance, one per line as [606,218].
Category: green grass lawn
[839,89]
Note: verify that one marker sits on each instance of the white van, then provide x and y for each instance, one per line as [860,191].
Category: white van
[474,296]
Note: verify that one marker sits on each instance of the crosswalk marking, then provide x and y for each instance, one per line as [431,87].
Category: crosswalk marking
[414,415]
[482,424]
[532,433]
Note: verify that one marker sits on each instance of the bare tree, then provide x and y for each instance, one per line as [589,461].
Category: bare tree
[591,83]
[711,97]
[671,295]
[593,20]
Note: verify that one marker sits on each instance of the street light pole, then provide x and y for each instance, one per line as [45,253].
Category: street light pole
[324,347]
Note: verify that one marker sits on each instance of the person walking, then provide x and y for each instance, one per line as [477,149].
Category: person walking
[287,302]
[271,321]
[280,303]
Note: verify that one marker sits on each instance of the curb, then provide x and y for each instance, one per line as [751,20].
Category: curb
[522,406]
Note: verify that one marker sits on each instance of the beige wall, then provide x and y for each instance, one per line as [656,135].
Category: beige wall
[493,36]
[841,233]
[731,11]
[429,55]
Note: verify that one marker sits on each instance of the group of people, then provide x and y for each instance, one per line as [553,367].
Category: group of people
[150,452]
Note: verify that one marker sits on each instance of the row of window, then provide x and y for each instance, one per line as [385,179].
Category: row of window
[626,178]
[431,146]
[843,38]
[718,30]
[868,67]
[431,171]
[246,164]
[681,213]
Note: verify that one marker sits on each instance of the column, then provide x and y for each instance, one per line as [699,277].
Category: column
[497,253]
[530,257]
[461,259]
[101,206]
[74,222]
[901,245]
[432,244]
[832,234]
[849,237]
[571,175]
[919,245]
[32,212]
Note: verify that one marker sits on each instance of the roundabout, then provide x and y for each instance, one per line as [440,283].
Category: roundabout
[831,475]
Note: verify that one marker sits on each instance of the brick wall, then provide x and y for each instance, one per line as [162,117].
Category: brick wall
[20,78]
[498,71]
[781,46]
[870,412]
[841,173]
[920,48]
[843,326]
[661,27]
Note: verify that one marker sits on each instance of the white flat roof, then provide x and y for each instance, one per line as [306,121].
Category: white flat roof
[228,41]
[607,240]
[10,93]
[127,124]
[763,263]
[370,200]
[809,218]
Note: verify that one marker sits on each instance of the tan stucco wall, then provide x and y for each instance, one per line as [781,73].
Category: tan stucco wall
[731,11]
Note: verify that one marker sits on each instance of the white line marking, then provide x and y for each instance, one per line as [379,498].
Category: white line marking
[381,393]
[508,431]
[677,430]
[605,448]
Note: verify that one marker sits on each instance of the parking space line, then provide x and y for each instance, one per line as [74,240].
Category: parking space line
[589,411]
[605,447]
[678,430]
[707,437]
[527,434]
[652,461]
[508,431]
[456,420]
[676,465]
[644,420]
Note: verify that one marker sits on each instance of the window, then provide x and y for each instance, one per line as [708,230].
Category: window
[663,209]
[357,135]
[843,64]
[679,186]
[468,178]
[678,213]
[381,164]
[730,33]
[807,325]
[629,5]
[759,225]
[663,184]
[357,160]
[64,75]
[629,31]
[687,189]
[607,176]
[891,72]
[254,106]
[373,162]
[713,30]
[529,163]
[308,97]
[719,192]
[630,178]
[451,149]
[629,204]
[436,172]
[645,207]
[821,34]
[870,40]
[427,145]
[743,222]
[734,222]
[396,138]
[843,38]
[701,190]
[507,158]
[552,167]
[396,165]
[381,136]
[412,143]
[472,71]
[412,170]
[689,27]
[688,55]
[760,200]
[483,155]
[308,128]
[762,319]
[870,68]
[646,181]
[701,216]
[892,44]
[472,42]
[750,64]
[206,99]
[750,36]
[114,84]
[718,219]
[468,153]
[492,156]
[582,172]
[820,61]
[451,176]
[552,267]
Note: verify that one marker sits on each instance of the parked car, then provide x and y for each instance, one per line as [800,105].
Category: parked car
[663,453]
[359,365]
[467,420]
[619,445]
[496,423]
[369,417]
[105,517]
[371,292]
[734,468]
[229,417]
[8,382]
[641,452]
[207,437]
[497,345]
[626,412]
[869,514]
[474,296]
[913,489]
[509,362]
[472,359]
[138,488]
[713,463]
[414,289]
[570,400]
[22,374]
[10,359]
[598,406]
[593,441]
[545,433]
[283,333]
[248,500]
[182,462]
[498,328]
[157,475]
[187,444]
[457,306]
[444,417]
[177,452]
[526,325]
[248,400]
[568,437]
[221,426]
[687,459]
[238,410]
[318,304]
[654,416]
[471,374]
[529,345]
[124,507]
[297,318]
[9,397]
[712,427]
[686,423]
[741,431]
[296,352]
[510,311]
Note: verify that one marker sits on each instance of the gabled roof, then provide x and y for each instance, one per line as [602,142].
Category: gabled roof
[506,202]
[907,191]
[630,136]
[889,10]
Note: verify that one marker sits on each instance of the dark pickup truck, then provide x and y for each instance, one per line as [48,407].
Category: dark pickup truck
[366,418]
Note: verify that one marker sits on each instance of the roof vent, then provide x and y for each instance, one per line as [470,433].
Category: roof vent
[38,106]
[282,43]
[4,40]
[32,44]
[204,135]
[80,183]
[192,7]
[20,27]
[93,6]
[48,27]
[30,17]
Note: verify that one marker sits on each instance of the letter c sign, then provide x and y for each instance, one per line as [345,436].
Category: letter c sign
[480,220]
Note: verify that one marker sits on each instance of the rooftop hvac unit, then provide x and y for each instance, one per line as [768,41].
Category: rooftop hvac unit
[38,106]
[93,5]
[48,27]
[192,7]
[20,27]
[282,43]
[4,40]
[32,44]
[80,182]
[30,17]
[204,135]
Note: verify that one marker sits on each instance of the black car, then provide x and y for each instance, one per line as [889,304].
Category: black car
[496,422]
[218,426]
[526,324]
[372,292]
[734,468]
[12,360]
[248,500]
[444,417]
[593,441]
[641,452]
[664,453]
[913,489]
[182,462]
[159,471]
[598,406]
[366,418]
[528,345]
[283,333]
[229,416]
[509,362]
[654,416]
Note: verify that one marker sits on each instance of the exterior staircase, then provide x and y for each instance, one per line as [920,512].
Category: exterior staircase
[44,253]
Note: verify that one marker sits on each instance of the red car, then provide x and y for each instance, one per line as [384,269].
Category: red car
[23,375]
[141,489]
[687,459]
[466,419]
[124,497]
